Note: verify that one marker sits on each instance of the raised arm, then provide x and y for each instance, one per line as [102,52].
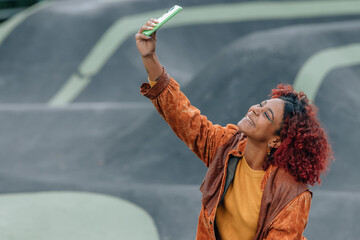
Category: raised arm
[199,134]
[147,46]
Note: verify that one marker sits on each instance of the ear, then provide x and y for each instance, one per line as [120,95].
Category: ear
[275,142]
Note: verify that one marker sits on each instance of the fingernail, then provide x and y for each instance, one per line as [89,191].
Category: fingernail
[149,37]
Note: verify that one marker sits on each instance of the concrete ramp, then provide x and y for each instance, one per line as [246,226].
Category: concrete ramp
[70,215]
[72,118]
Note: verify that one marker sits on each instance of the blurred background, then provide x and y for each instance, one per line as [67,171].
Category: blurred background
[84,156]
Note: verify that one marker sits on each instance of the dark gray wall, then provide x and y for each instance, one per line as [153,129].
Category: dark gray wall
[104,143]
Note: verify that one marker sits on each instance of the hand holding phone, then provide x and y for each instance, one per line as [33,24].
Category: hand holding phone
[163,19]
[146,44]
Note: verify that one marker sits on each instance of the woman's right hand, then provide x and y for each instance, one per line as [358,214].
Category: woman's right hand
[146,45]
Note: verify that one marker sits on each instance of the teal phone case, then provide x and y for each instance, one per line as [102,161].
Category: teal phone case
[163,19]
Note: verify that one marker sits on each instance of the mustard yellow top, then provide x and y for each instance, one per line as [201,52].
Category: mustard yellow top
[152,83]
[238,214]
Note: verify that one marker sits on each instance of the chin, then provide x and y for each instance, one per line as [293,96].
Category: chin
[241,126]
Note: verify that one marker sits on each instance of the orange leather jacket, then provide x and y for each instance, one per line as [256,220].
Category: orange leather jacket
[285,203]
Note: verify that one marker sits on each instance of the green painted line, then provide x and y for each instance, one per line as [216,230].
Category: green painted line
[9,25]
[70,90]
[72,216]
[314,71]
[99,55]
[218,13]
[111,41]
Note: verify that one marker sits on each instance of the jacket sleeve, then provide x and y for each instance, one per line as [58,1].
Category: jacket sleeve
[198,133]
[290,223]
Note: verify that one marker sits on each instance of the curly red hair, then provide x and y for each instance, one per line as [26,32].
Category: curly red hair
[305,151]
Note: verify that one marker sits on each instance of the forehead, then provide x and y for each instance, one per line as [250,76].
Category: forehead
[276,105]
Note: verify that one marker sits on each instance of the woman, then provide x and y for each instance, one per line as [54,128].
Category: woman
[258,171]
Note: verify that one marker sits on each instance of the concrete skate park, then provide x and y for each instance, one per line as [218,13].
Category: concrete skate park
[85,156]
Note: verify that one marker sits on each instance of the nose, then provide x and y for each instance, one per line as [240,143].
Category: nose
[255,109]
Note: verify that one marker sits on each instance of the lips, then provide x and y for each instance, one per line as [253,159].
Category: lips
[250,121]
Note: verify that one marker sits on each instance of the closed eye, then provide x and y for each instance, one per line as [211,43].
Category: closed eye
[266,114]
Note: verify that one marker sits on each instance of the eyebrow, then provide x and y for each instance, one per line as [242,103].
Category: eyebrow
[272,113]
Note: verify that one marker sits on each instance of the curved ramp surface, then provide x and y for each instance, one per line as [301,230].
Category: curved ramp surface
[71,215]
[108,138]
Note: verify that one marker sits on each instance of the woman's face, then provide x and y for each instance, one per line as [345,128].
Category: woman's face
[262,120]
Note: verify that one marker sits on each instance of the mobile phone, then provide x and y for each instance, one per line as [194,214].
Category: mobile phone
[163,19]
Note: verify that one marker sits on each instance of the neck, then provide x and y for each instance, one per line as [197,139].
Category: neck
[255,154]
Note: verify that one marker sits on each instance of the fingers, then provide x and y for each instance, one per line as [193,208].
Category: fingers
[140,36]
[153,20]
[144,28]
[149,25]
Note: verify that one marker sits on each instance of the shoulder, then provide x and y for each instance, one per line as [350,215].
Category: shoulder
[298,207]
[236,140]
[290,223]
[284,179]
[287,190]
